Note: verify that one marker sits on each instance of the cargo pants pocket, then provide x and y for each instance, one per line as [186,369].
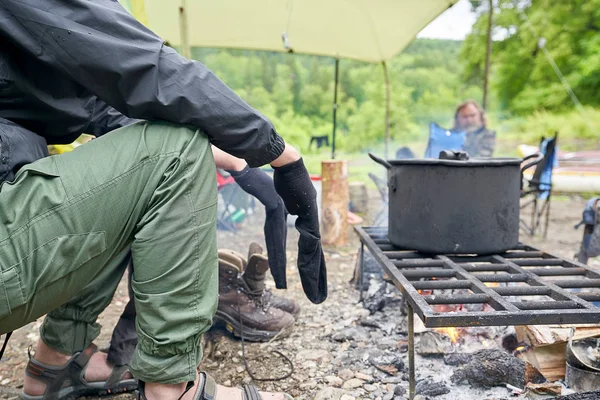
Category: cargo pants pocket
[11,291]
[46,265]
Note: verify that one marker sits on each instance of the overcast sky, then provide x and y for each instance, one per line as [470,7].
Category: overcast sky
[455,23]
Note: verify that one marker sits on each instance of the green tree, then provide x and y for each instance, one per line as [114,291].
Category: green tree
[523,78]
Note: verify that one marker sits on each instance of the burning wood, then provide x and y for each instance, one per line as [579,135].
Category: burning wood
[488,368]
[452,333]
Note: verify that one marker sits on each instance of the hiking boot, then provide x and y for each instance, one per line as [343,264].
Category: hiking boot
[283,303]
[244,312]
[254,275]
[232,257]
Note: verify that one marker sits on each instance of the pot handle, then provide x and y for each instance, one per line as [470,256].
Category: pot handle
[380,161]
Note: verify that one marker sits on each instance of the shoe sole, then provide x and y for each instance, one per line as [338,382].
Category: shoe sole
[252,335]
[95,389]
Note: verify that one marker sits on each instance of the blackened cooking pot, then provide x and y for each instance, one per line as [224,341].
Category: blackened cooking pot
[454,204]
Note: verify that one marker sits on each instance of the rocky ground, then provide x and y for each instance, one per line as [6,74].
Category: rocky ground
[340,349]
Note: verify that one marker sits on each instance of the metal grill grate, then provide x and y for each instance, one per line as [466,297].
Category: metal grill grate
[523,286]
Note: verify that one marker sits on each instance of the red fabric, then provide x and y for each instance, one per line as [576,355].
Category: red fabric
[223,181]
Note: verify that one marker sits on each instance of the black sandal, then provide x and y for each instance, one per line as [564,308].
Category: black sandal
[250,392]
[73,373]
[207,390]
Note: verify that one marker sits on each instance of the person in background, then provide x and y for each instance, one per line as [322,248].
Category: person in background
[470,118]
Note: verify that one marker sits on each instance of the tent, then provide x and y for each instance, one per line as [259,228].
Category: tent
[365,30]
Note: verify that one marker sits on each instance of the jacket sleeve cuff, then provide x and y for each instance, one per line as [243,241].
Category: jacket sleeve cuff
[269,154]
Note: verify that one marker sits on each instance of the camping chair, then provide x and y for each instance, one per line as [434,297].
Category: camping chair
[234,202]
[224,221]
[381,184]
[443,139]
[539,188]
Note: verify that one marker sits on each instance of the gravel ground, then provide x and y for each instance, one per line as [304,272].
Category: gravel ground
[339,349]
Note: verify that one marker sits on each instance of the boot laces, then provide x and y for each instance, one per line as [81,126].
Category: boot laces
[261,297]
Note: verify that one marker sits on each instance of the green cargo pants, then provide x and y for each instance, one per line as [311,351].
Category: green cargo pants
[67,222]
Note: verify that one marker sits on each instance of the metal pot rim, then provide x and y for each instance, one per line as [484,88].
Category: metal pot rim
[473,162]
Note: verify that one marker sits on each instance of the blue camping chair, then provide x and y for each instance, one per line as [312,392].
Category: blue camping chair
[443,139]
[538,190]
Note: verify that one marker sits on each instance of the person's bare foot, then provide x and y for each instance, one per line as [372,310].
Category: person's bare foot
[156,391]
[97,369]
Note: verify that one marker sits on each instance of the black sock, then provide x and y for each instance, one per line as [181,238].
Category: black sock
[276,239]
[260,185]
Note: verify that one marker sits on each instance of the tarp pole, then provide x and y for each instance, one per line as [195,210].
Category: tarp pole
[335,93]
[387,108]
[488,53]
[183,31]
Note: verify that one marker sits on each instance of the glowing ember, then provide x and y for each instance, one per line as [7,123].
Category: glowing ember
[451,332]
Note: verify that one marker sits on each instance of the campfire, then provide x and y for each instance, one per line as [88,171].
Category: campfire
[456,295]
[452,333]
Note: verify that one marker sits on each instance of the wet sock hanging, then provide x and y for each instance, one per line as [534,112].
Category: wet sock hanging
[293,184]
[260,185]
